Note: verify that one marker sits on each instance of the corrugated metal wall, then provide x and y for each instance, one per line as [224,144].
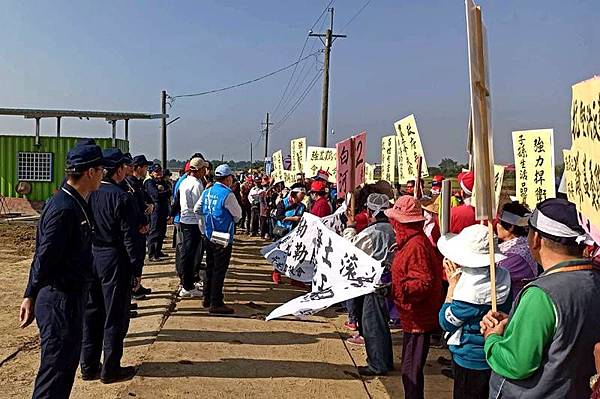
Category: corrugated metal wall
[59,146]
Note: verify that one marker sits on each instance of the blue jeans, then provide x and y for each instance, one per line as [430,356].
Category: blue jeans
[373,326]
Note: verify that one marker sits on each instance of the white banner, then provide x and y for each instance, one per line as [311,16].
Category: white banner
[341,271]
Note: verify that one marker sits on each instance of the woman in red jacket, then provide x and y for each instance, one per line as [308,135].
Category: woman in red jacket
[416,288]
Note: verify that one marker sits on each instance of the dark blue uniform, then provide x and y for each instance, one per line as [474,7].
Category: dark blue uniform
[58,282]
[135,187]
[160,194]
[115,258]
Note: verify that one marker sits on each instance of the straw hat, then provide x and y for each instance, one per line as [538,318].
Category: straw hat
[407,209]
[470,248]
[432,206]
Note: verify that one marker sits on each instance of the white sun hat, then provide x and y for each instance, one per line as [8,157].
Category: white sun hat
[470,248]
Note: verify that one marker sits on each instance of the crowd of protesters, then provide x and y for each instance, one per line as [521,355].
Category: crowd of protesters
[112,212]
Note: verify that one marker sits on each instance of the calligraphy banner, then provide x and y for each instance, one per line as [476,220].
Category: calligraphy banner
[318,158]
[388,159]
[408,149]
[350,163]
[534,165]
[339,275]
[498,181]
[289,178]
[277,171]
[298,147]
[369,173]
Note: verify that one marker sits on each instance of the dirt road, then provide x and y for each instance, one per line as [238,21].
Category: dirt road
[180,349]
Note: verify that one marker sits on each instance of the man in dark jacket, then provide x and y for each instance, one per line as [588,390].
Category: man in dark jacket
[160,194]
[116,256]
[61,273]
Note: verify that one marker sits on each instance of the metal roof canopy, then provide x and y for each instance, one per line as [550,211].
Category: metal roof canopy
[111,117]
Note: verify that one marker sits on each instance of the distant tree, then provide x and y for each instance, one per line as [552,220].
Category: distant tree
[449,167]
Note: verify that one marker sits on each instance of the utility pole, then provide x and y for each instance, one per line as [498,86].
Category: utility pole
[329,39]
[266,125]
[251,160]
[163,134]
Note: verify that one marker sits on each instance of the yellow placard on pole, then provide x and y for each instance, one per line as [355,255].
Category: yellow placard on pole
[534,165]
[318,158]
[298,154]
[369,173]
[289,178]
[408,149]
[582,161]
[277,174]
[388,158]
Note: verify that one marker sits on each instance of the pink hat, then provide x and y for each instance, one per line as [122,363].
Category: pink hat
[407,209]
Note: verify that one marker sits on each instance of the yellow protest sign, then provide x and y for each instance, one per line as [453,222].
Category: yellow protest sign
[498,181]
[388,158]
[534,165]
[318,158]
[277,173]
[582,162]
[408,148]
[289,178]
[298,154]
[369,173]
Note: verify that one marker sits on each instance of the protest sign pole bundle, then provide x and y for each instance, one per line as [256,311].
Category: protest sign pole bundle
[483,159]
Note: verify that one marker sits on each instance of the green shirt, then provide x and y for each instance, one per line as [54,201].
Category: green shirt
[518,354]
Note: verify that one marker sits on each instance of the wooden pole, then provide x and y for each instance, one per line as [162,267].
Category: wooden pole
[418,191]
[485,153]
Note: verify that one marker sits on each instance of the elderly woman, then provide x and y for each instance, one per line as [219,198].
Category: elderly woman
[512,232]
[467,302]
[416,288]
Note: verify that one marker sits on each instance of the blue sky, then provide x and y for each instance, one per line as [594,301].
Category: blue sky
[400,57]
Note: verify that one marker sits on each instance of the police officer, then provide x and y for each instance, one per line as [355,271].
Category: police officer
[160,194]
[135,185]
[116,255]
[61,273]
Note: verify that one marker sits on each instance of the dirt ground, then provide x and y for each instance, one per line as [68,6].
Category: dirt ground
[179,349]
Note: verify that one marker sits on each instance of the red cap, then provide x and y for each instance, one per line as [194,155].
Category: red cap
[317,186]
[186,168]
[466,181]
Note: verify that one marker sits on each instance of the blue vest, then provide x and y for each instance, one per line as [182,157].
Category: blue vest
[298,210]
[216,217]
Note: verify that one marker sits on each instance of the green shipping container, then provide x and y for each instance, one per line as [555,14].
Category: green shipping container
[41,165]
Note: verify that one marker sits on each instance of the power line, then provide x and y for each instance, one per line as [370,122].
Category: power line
[299,101]
[300,56]
[356,15]
[246,82]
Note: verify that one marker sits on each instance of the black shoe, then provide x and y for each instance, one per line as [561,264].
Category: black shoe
[133,306]
[162,255]
[91,376]
[448,373]
[122,374]
[221,310]
[133,314]
[143,290]
[444,362]
[137,296]
[206,304]
[368,372]
[153,259]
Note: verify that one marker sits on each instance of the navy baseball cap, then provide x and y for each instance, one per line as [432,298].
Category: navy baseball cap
[128,158]
[113,157]
[83,157]
[155,168]
[140,160]
[86,141]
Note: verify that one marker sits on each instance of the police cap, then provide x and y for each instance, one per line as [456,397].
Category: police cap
[140,160]
[113,157]
[82,157]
